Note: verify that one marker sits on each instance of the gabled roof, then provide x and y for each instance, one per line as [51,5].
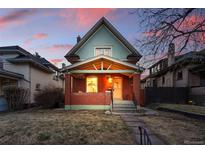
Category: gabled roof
[134,67]
[187,57]
[25,56]
[103,21]
[194,57]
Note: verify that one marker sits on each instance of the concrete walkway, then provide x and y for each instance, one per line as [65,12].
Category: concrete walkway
[133,122]
[129,113]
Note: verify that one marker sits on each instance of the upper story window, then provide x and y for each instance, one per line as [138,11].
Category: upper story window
[107,51]
[179,75]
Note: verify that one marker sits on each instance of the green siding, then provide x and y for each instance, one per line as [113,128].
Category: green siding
[87,107]
[103,37]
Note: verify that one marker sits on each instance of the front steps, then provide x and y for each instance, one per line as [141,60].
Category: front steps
[123,107]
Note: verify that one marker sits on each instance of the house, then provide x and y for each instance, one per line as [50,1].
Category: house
[186,70]
[20,68]
[102,61]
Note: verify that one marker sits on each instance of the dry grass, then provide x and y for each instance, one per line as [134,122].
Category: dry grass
[176,129]
[198,110]
[63,127]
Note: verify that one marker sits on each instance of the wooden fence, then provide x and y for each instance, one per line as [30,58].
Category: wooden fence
[165,95]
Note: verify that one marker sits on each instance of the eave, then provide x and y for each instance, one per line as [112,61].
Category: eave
[13,60]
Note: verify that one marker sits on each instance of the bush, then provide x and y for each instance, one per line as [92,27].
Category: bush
[49,97]
[16,97]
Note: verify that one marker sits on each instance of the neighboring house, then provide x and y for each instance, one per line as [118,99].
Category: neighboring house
[187,70]
[20,68]
[101,61]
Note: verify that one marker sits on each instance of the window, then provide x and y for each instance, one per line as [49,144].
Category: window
[1,63]
[168,82]
[91,84]
[163,80]
[154,83]
[103,51]
[202,78]
[148,83]
[55,77]
[8,82]
[179,75]
[38,87]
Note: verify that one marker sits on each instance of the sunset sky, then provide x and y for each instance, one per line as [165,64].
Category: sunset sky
[52,32]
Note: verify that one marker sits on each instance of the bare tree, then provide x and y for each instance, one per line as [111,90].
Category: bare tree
[184,27]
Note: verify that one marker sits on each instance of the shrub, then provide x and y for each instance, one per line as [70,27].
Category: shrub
[16,97]
[49,97]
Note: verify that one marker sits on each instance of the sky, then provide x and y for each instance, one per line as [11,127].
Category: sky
[52,32]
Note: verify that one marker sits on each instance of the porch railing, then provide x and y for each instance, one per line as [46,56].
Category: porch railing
[144,137]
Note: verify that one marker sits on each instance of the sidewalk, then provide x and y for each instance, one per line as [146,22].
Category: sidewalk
[133,122]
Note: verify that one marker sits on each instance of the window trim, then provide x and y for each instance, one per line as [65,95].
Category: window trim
[96,85]
[103,46]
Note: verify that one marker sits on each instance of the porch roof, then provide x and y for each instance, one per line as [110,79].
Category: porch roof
[8,74]
[123,66]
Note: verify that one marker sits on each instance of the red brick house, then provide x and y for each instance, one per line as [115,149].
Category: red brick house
[102,61]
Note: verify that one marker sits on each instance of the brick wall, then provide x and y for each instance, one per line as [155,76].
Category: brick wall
[102,98]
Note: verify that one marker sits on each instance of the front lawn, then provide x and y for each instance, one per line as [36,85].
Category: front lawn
[176,128]
[192,109]
[63,127]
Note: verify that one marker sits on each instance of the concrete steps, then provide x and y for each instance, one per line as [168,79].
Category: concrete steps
[123,106]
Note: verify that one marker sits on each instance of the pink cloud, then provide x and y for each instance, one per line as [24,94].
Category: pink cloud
[16,17]
[61,47]
[87,16]
[57,62]
[84,17]
[37,36]
[152,33]
[40,36]
[191,22]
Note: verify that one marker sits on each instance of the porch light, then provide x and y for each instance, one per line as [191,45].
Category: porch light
[110,80]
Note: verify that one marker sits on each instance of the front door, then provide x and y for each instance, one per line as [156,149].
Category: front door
[117,86]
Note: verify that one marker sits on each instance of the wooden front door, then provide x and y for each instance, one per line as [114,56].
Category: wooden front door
[117,86]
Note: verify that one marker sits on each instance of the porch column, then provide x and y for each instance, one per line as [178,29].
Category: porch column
[67,89]
[136,87]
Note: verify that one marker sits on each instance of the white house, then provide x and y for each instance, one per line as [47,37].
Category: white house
[21,68]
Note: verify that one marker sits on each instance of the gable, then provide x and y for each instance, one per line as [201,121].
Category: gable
[127,51]
[103,37]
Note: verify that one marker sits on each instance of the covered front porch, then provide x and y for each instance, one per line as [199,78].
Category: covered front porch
[8,78]
[95,84]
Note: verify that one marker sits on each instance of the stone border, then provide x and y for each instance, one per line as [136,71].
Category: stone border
[188,114]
